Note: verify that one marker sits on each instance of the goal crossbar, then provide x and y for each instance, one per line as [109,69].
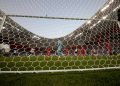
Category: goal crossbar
[61,18]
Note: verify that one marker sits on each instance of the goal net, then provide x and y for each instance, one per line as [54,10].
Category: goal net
[94,45]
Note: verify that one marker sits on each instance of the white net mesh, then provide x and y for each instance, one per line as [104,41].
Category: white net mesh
[94,45]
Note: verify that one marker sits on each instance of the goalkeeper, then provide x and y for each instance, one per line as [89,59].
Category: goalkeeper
[59,48]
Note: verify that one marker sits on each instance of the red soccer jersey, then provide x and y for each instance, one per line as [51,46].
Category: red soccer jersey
[83,51]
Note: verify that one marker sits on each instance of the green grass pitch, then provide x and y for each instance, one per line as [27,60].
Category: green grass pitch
[34,63]
[85,78]
[38,63]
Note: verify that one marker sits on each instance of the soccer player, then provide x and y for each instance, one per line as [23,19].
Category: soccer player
[32,51]
[48,51]
[76,52]
[59,48]
[79,52]
[67,51]
[5,49]
[14,51]
[83,51]
[109,48]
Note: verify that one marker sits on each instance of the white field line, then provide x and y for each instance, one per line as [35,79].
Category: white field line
[67,70]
